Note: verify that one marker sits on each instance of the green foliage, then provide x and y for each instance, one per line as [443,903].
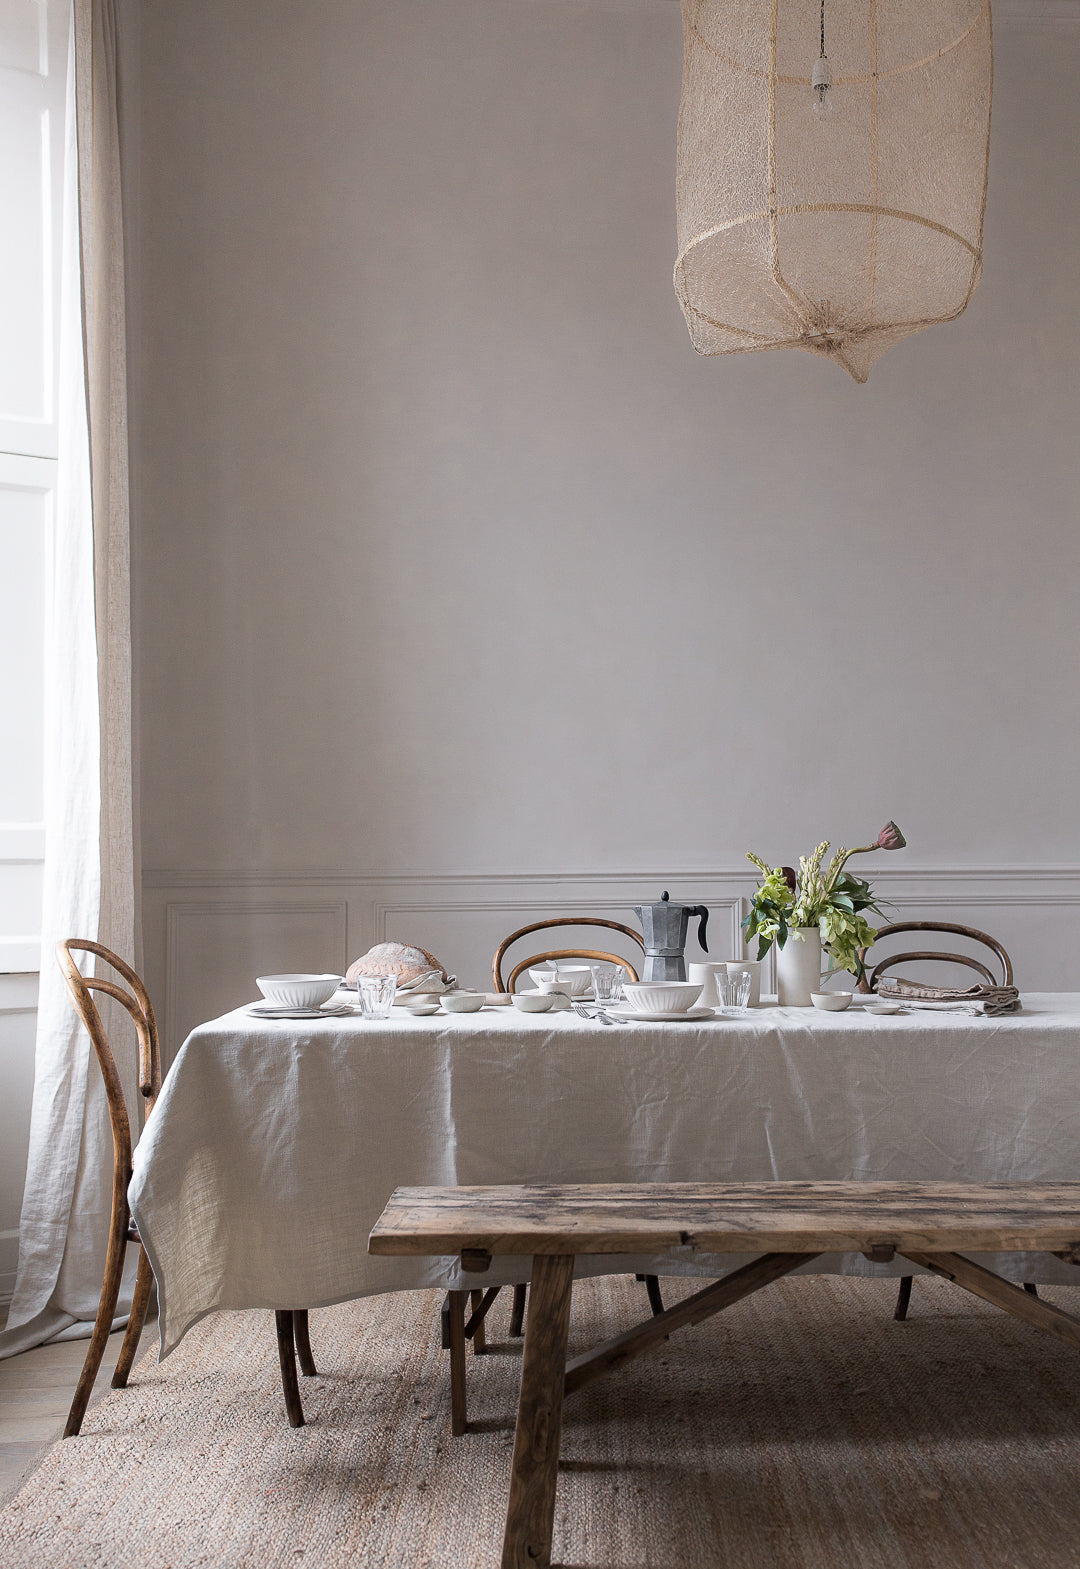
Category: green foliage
[833,901]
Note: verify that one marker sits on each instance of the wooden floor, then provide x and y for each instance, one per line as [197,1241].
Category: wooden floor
[35,1393]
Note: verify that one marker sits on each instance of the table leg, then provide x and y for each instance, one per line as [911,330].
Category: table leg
[456,1325]
[479,1339]
[531,1510]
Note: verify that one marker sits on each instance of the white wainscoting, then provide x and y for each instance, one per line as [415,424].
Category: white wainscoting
[208,934]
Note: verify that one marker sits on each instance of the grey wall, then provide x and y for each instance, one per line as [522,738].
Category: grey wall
[453,561]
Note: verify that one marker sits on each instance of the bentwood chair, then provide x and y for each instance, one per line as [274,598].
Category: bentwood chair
[456,1329]
[1000,975]
[292,1327]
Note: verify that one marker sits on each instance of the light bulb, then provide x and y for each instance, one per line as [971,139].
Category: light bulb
[821,84]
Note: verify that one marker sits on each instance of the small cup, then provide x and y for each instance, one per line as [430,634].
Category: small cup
[607,981]
[753,969]
[707,975]
[376,993]
[733,989]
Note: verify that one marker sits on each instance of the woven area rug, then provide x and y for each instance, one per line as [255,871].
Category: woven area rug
[801,1429]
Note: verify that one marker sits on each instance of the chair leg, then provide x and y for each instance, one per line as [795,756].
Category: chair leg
[110,1291]
[656,1301]
[517,1315]
[903,1297]
[144,1280]
[286,1345]
[303,1343]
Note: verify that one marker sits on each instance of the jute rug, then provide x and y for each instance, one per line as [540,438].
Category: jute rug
[802,1429]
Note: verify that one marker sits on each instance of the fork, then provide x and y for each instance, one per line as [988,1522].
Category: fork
[579,1009]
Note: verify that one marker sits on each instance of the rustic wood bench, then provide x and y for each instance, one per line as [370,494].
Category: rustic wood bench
[788,1223]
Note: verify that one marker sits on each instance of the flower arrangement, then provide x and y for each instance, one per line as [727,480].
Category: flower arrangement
[833,901]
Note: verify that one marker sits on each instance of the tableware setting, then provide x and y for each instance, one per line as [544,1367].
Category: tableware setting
[376,994]
[533,1002]
[652,997]
[625,1014]
[831,1002]
[298,991]
[571,979]
[462,1002]
[733,990]
[269,1010]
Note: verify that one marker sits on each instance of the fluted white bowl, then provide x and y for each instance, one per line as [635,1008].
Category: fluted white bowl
[661,996]
[298,991]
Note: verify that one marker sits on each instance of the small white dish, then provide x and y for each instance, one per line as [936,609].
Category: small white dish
[656,1016]
[421,1007]
[462,1002]
[532,1002]
[298,991]
[884,1007]
[831,1002]
[661,996]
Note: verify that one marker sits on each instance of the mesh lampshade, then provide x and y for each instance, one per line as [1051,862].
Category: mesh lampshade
[838,220]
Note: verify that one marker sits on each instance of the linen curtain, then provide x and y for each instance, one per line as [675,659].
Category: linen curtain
[89,889]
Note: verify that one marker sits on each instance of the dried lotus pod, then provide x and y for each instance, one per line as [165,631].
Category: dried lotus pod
[407,964]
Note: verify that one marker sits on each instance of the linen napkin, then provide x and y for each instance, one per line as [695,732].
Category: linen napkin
[987,1000]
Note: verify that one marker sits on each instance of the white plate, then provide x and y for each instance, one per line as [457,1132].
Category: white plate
[269,1010]
[632,1014]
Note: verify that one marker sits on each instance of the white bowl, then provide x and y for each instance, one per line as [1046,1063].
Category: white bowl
[831,1002]
[462,1002]
[298,991]
[661,996]
[573,979]
[532,1002]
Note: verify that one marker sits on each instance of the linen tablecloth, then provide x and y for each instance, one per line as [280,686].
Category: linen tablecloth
[274,1145]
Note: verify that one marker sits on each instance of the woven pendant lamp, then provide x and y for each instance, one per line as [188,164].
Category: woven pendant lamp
[832,169]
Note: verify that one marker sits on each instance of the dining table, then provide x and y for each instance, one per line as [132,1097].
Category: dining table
[275,1143]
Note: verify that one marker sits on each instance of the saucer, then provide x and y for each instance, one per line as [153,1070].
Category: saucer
[632,1015]
[269,1010]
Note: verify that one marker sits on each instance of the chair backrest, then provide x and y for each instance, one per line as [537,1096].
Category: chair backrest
[595,955]
[137,1003]
[869,982]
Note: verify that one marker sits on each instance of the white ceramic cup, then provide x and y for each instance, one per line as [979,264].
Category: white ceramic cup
[754,967]
[706,976]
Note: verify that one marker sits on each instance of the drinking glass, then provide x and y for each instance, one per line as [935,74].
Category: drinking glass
[734,990]
[377,993]
[607,982]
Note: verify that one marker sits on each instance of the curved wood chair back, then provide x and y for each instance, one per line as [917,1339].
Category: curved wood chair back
[869,982]
[595,955]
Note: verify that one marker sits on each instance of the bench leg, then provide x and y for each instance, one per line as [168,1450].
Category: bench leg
[517,1316]
[903,1297]
[1018,1301]
[531,1510]
[455,1317]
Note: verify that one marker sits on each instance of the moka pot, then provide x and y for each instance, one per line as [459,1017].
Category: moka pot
[663,926]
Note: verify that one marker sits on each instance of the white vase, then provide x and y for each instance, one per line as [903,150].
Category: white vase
[798,967]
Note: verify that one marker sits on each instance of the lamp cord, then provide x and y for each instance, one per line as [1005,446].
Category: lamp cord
[823,29]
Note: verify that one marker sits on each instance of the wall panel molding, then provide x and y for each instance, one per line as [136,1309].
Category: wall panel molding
[208,934]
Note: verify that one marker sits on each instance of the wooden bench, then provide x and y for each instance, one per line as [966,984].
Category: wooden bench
[788,1223]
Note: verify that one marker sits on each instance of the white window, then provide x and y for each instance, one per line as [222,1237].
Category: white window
[33,72]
